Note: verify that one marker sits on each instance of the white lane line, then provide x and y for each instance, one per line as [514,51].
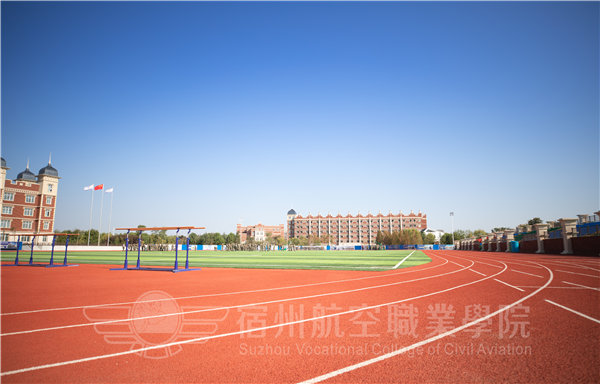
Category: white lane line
[491,265]
[222,308]
[572,265]
[424,342]
[527,273]
[574,311]
[515,263]
[160,346]
[460,265]
[479,273]
[227,293]
[582,286]
[575,273]
[536,287]
[508,285]
[402,261]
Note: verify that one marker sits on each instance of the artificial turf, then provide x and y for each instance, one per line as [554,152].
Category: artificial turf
[335,260]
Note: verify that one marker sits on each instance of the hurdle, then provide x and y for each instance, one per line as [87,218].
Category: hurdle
[175,268]
[51,263]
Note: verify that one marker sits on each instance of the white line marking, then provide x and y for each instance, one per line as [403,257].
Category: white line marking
[227,293]
[491,265]
[572,265]
[586,267]
[424,342]
[575,273]
[460,265]
[574,311]
[512,262]
[160,346]
[472,270]
[222,308]
[508,285]
[536,287]
[402,261]
[582,286]
[527,273]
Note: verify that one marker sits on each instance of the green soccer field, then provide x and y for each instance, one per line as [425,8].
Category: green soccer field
[335,260]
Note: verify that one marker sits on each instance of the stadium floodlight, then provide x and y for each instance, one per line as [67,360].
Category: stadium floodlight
[452,226]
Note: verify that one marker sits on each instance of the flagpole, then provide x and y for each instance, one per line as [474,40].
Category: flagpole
[101,205]
[91,206]
[112,193]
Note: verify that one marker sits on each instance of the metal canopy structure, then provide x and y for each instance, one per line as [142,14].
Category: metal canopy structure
[51,263]
[175,268]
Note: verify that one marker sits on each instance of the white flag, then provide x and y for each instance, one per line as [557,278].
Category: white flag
[88,187]
[109,190]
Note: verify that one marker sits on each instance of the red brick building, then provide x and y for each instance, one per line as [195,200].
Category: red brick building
[359,229]
[259,232]
[28,204]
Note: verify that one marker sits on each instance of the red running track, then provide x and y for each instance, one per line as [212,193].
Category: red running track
[464,317]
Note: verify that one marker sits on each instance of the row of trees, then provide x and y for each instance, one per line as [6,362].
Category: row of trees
[149,237]
[404,237]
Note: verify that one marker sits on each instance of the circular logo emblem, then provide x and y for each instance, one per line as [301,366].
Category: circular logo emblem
[150,326]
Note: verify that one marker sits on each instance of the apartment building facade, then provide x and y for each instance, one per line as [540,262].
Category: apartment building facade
[351,229]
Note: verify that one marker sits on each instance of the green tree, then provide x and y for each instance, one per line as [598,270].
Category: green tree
[279,240]
[446,238]
[429,239]
[535,220]
[460,234]
[231,238]
[479,233]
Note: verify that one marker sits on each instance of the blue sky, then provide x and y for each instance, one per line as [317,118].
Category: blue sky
[217,113]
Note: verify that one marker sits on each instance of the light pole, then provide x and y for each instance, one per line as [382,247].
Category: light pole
[452,226]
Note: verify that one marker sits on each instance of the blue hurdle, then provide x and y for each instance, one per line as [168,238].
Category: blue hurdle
[51,263]
[138,266]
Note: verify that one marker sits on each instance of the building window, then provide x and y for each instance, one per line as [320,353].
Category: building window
[47,212]
[46,225]
[29,198]
[27,211]
[25,239]
[50,187]
[9,196]
[49,200]
[5,224]
[7,210]
[27,224]
[4,237]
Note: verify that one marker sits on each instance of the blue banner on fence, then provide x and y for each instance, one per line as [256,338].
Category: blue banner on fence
[8,245]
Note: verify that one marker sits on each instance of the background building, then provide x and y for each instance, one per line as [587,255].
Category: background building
[259,232]
[28,204]
[438,233]
[359,229]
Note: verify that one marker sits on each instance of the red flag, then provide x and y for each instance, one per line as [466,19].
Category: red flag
[97,187]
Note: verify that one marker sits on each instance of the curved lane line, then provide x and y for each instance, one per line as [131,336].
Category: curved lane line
[228,307]
[426,341]
[224,293]
[188,341]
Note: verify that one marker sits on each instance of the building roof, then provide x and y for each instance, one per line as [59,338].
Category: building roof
[3,163]
[291,212]
[26,175]
[48,170]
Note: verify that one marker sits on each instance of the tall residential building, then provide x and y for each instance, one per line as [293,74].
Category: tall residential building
[359,229]
[28,204]
[259,232]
